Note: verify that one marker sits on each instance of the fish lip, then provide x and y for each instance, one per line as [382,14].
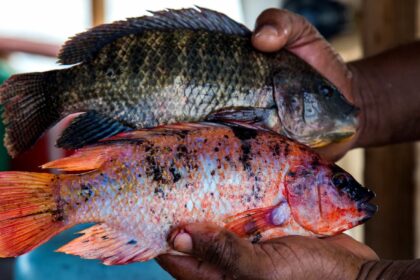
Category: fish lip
[369,210]
[363,205]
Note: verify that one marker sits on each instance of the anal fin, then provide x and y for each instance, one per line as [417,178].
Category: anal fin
[88,128]
[108,245]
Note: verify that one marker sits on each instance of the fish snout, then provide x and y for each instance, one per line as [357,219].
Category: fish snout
[363,197]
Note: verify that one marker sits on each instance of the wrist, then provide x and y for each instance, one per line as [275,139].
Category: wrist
[388,269]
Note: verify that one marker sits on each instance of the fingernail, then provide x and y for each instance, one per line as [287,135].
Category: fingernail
[266,30]
[182,242]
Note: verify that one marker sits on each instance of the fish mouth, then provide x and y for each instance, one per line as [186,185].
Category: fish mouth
[363,205]
[345,130]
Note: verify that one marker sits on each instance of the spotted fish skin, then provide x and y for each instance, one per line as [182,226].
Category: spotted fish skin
[174,66]
[137,186]
[181,178]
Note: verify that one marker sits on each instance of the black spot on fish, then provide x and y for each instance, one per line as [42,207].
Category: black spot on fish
[104,237]
[175,174]
[276,150]
[183,133]
[256,238]
[212,173]
[159,191]
[132,242]
[216,149]
[243,133]
[315,162]
[157,173]
[227,158]
[153,169]
[245,157]
[86,191]
[58,216]
[286,150]
[225,136]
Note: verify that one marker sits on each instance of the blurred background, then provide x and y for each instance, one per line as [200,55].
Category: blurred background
[31,33]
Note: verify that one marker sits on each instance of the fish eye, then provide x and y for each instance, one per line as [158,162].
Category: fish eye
[340,180]
[326,91]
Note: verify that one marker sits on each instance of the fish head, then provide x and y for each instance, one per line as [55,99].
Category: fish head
[312,110]
[326,200]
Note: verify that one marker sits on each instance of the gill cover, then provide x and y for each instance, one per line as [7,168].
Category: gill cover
[320,206]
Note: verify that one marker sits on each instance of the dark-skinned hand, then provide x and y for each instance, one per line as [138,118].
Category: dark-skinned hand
[216,253]
[276,29]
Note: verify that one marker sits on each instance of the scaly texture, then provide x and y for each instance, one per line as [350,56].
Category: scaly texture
[177,65]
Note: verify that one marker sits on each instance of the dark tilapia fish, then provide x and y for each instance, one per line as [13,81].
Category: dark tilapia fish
[176,65]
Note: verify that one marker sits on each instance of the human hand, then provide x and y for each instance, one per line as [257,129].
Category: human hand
[216,253]
[276,29]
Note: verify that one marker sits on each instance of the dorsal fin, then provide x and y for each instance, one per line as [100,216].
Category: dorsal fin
[84,46]
[160,131]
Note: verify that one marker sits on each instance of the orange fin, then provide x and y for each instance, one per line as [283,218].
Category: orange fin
[250,222]
[85,159]
[110,246]
[29,215]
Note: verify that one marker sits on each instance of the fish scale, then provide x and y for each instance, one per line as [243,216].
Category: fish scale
[184,65]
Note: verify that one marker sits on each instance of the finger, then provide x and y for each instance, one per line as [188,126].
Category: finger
[186,268]
[272,30]
[284,29]
[354,246]
[276,28]
[335,151]
[214,245]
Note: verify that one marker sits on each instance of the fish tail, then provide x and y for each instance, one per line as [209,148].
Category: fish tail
[29,212]
[30,107]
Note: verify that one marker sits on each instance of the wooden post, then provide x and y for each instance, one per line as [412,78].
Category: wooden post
[98,12]
[389,171]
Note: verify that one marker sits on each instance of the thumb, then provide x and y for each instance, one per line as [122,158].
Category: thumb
[276,28]
[214,245]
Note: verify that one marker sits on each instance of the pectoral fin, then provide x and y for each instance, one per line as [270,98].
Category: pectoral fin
[257,117]
[250,222]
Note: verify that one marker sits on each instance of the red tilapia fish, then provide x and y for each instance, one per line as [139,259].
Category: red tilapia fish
[139,185]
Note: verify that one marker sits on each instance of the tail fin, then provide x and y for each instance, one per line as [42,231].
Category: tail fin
[30,108]
[29,214]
